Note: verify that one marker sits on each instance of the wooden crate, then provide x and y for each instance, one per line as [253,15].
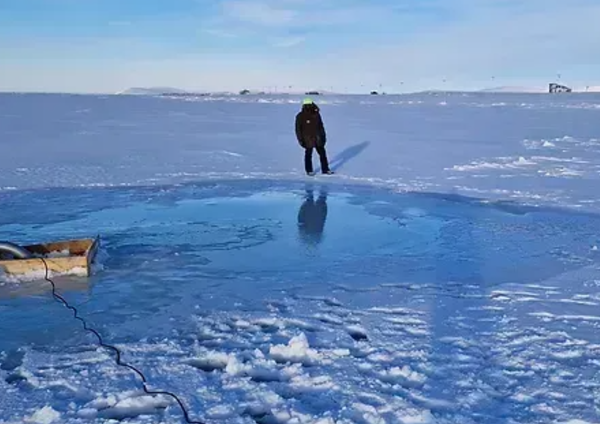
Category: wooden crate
[81,254]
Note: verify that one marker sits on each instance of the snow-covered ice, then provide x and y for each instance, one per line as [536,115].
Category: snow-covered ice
[449,273]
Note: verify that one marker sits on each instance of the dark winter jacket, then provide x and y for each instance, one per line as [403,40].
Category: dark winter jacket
[310,130]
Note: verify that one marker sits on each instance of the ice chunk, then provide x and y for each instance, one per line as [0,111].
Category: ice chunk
[404,375]
[45,415]
[210,362]
[125,405]
[422,417]
[296,351]
[261,369]
[135,406]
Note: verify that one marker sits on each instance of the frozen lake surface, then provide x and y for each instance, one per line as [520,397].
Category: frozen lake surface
[536,148]
[385,294]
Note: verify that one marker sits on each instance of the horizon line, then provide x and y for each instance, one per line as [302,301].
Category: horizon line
[282,93]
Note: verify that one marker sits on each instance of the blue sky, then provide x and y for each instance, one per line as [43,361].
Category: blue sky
[345,45]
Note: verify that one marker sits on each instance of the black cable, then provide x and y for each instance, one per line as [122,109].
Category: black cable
[117,352]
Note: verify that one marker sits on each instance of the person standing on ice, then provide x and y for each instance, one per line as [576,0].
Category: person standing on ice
[311,135]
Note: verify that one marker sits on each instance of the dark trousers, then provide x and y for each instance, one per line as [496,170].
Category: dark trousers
[308,152]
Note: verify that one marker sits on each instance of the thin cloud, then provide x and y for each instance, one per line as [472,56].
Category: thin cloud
[301,13]
[289,42]
[220,33]
[261,13]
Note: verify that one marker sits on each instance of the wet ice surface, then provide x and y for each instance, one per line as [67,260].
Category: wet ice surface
[266,302]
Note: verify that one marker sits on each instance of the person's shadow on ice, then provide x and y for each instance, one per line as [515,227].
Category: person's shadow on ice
[311,218]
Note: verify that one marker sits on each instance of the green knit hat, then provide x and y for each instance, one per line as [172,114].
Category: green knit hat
[308,101]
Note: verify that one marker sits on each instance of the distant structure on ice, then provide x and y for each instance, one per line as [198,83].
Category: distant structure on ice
[557,88]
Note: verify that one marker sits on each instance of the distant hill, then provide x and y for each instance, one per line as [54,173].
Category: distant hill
[289,92]
[156,91]
[515,89]
[150,91]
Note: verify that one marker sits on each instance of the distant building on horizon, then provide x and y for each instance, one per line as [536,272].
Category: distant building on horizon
[557,88]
